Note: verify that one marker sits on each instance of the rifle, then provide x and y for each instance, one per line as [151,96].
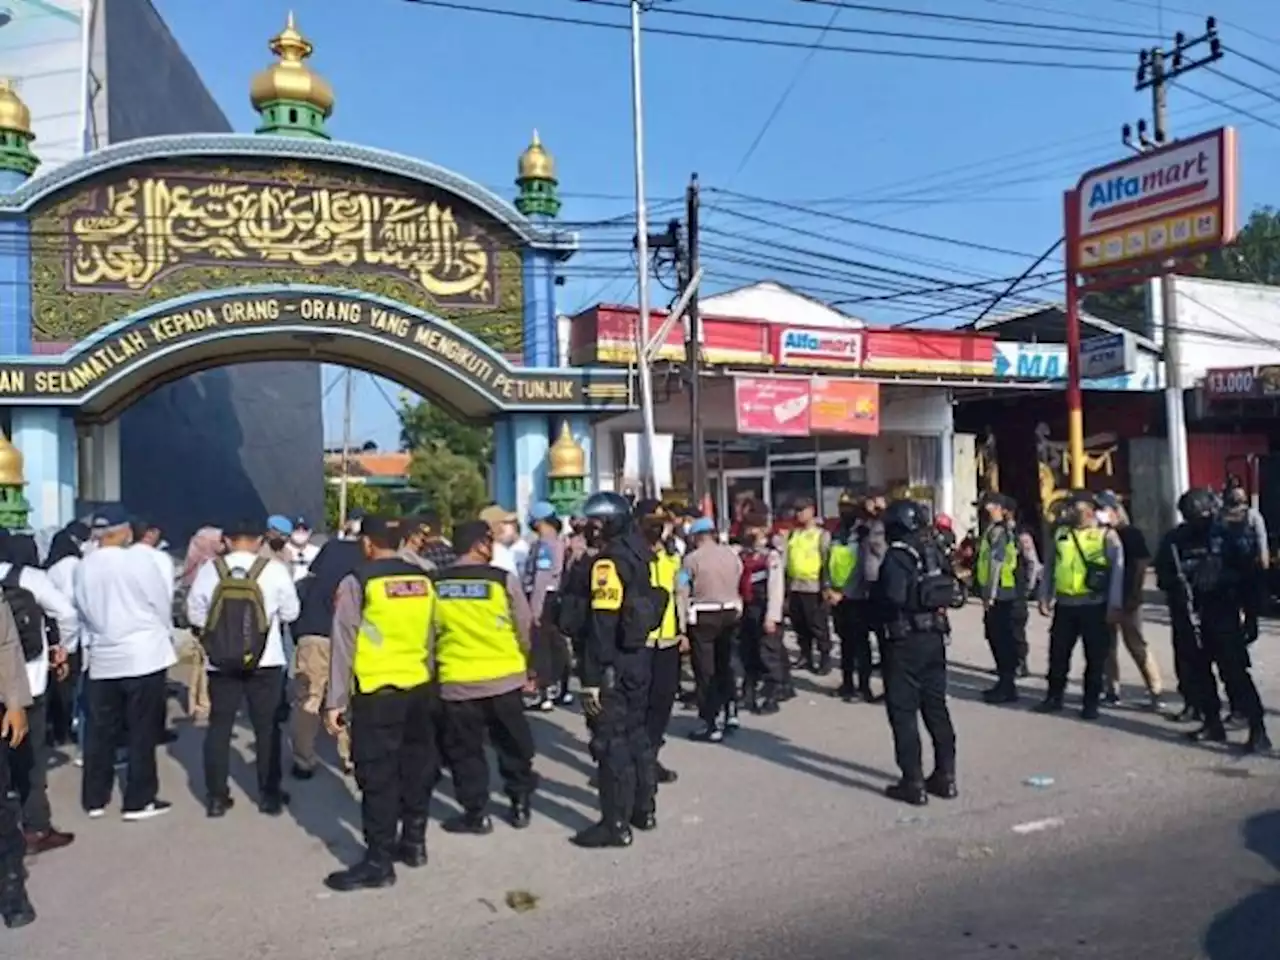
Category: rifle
[1192,613]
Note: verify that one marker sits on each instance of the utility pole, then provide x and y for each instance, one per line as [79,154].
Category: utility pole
[347,398]
[693,351]
[1157,68]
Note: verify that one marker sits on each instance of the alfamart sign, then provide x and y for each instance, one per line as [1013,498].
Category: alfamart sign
[1171,202]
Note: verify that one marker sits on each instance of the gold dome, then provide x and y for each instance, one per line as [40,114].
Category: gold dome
[536,163]
[10,464]
[14,114]
[291,79]
[567,458]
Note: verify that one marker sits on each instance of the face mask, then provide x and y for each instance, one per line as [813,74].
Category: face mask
[275,541]
[653,530]
[300,538]
[1104,518]
[87,547]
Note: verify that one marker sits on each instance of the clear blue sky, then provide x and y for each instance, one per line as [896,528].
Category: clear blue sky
[976,152]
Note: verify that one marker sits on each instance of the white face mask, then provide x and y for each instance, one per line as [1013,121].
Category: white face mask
[300,538]
[87,547]
[1104,518]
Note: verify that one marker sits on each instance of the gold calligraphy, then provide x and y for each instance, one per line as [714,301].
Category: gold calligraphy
[148,226]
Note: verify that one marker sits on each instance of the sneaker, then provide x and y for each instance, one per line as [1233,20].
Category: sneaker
[546,705]
[97,813]
[565,699]
[156,808]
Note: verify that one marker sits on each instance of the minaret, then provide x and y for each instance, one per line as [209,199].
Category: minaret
[14,508]
[293,100]
[566,473]
[536,179]
[17,162]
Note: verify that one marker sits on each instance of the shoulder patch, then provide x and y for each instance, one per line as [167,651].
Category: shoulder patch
[606,587]
[544,560]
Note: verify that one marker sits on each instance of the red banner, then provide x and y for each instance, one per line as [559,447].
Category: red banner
[772,406]
[845,406]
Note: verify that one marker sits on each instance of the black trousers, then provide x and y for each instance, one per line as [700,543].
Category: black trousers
[465,724]
[664,668]
[12,844]
[915,686]
[1005,624]
[394,748]
[1186,651]
[811,622]
[764,657]
[711,646]
[29,769]
[131,705]
[620,741]
[853,623]
[260,689]
[1223,645]
[550,655]
[1088,624]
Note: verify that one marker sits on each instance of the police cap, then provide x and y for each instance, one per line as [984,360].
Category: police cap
[384,531]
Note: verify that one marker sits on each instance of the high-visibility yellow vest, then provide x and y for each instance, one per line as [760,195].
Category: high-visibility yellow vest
[663,570]
[1070,562]
[391,644]
[1008,567]
[842,561]
[804,555]
[476,639]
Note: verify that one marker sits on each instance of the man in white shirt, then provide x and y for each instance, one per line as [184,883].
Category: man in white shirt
[505,527]
[36,604]
[262,685]
[301,550]
[126,611]
[150,539]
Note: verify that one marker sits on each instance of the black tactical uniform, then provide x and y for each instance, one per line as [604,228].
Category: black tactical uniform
[911,596]
[616,674]
[1206,573]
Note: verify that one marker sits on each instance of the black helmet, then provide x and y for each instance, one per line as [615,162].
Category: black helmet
[1197,505]
[903,517]
[610,510]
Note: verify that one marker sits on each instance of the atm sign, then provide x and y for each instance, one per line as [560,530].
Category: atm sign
[817,348]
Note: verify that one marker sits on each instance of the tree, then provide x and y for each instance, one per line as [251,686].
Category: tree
[360,496]
[425,426]
[452,484]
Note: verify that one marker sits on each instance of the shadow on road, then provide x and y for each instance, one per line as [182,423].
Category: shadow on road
[1250,930]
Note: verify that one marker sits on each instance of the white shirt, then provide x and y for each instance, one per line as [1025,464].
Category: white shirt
[279,599]
[126,612]
[59,609]
[301,559]
[164,563]
[504,559]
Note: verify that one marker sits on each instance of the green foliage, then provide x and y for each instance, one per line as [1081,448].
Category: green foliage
[360,496]
[424,426]
[451,484]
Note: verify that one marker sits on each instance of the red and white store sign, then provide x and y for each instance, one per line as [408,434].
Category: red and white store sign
[773,406]
[816,347]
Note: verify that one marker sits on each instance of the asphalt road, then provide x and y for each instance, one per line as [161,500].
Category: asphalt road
[775,844]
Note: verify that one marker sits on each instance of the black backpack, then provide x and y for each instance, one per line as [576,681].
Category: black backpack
[235,635]
[27,613]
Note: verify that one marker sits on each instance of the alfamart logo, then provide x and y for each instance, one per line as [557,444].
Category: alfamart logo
[822,345]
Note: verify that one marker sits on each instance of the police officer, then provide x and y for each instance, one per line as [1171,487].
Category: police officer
[1248,527]
[911,593]
[808,587]
[15,697]
[624,607]
[665,642]
[710,606]
[1206,574]
[1005,573]
[850,609]
[1083,588]
[380,674]
[543,571]
[762,588]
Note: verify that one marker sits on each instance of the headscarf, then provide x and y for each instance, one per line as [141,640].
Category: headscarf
[67,542]
[20,550]
[336,560]
[203,547]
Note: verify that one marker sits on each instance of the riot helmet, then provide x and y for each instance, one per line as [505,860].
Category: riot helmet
[903,518]
[1198,505]
[609,511]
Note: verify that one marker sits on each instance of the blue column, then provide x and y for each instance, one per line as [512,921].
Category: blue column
[43,434]
[503,485]
[15,276]
[532,440]
[580,425]
[539,309]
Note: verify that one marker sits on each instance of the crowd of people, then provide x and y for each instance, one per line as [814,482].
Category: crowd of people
[414,650]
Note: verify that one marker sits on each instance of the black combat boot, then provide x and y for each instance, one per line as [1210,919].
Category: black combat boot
[751,696]
[1258,741]
[477,823]
[913,794]
[824,664]
[1050,704]
[371,873]
[664,774]
[707,733]
[15,907]
[412,848]
[1090,709]
[768,700]
[1212,732]
[1188,714]
[1005,691]
[1023,671]
[847,691]
[942,785]
[521,812]
[602,835]
[645,820]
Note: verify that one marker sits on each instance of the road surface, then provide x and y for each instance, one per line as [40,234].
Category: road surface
[776,844]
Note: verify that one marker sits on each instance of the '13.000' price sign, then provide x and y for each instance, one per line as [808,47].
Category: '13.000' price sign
[1231,383]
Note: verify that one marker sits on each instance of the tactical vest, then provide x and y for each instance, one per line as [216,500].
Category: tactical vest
[476,639]
[1008,568]
[804,555]
[663,570]
[1071,568]
[391,644]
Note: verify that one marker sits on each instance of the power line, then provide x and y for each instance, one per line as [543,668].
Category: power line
[1222,103]
[1270,67]
[978,21]
[1243,83]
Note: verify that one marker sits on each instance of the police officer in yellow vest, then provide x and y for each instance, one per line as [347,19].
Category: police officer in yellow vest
[808,582]
[483,627]
[380,676]
[1083,587]
[664,644]
[1004,574]
[850,612]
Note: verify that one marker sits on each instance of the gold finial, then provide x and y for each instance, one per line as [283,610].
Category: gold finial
[15,116]
[536,163]
[10,464]
[567,458]
[290,78]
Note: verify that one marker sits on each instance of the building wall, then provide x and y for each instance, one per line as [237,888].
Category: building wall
[242,441]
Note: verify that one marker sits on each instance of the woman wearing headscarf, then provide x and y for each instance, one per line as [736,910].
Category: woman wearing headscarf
[65,552]
[203,547]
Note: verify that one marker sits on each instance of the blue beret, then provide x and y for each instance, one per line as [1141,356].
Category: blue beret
[702,525]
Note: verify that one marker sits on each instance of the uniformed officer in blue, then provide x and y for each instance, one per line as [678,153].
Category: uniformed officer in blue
[624,607]
[549,658]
